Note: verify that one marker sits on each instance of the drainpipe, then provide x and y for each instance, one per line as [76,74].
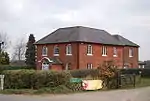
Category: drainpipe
[78,55]
[123,56]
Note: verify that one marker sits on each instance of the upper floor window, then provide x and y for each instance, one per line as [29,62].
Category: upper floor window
[89,49]
[130,52]
[68,49]
[44,51]
[114,51]
[56,50]
[89,66]
[104,51]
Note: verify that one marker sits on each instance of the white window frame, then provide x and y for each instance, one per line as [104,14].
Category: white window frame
[89,66]
[115,53]
[104,51]
[44,51]
[56,50]
[69,49]
[89,50]
[131,52]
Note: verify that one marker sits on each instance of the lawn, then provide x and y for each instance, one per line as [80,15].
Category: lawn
[143,83]
[140,82]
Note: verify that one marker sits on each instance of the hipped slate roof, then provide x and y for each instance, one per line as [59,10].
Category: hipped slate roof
[124,41]
[83,34]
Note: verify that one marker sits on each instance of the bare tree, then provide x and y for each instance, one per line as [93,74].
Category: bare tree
[19,50]
[5,39]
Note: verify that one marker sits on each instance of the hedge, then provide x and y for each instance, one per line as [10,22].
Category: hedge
[26,79]
[144,72]
[130,71]
[32,79]
[95,72]
[84,73]
[9,67]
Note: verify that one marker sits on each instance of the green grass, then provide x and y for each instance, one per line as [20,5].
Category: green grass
[18,91]
[140,82]
[143,83]
[56,90]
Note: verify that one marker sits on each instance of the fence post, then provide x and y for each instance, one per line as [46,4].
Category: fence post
[140,73]
[2,82]
[134,80]
[118,80]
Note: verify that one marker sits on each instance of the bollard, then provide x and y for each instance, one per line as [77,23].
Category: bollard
[2,82]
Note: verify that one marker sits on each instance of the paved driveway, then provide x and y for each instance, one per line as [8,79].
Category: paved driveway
[141,94]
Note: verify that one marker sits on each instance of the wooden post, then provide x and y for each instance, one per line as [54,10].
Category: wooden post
[134,79]
[140,73]
[118,80]
[2,82]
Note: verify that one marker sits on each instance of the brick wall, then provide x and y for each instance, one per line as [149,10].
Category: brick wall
[97,57]
[79,57]
[62,55]
[133,61]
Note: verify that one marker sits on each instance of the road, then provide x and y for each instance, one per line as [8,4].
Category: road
[141,94]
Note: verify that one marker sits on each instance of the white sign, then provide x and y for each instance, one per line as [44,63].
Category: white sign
[92,84]
[2,82]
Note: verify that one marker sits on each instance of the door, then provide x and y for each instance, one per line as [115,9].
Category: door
[45,66]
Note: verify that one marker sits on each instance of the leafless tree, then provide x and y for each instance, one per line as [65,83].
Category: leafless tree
[5,39]
[19,50]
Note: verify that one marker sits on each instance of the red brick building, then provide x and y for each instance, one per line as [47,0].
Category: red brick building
[84,48]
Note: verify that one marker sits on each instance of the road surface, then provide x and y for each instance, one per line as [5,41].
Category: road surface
[141,94]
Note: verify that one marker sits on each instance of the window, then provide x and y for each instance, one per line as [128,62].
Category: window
[131,52]
[68,66]
[56,50]
[44,51]
[115,51]
[89,66]
[104,51]
[89,50]
[68,49]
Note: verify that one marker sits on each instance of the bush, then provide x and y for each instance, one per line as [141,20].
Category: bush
[84,73]
[26,79]
[50,79]
[130,71]
[136,71]
[145,72]
[109,74]
[9,67]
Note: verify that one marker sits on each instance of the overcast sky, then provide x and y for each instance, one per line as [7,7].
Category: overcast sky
[130,18]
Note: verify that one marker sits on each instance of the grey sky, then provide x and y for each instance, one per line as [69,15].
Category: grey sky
[130,18]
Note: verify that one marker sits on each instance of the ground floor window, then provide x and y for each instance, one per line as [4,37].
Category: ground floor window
[89,66]
[68,66]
